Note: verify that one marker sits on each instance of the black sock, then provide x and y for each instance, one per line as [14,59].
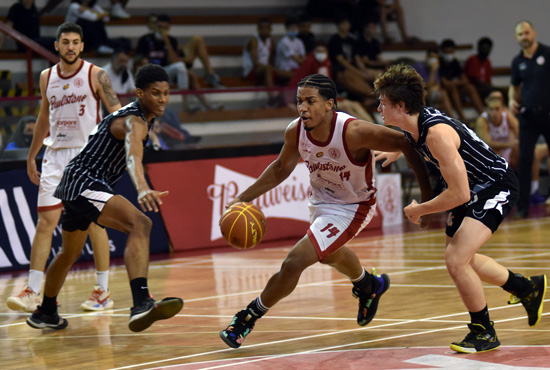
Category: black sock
[482,317]
[518,285]
[256,308]
[140,290]
[49,305]
[366,284]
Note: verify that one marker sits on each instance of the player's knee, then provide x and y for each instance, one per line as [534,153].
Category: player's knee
[141,224]
[455,264]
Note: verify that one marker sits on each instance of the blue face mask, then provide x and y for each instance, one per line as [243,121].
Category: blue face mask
[292,33]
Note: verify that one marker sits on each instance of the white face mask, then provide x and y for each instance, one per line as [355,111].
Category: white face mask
[320,56]
[447,57]
[158,36]
[432,61]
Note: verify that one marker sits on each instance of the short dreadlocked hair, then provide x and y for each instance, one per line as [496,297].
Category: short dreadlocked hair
[326,87]
[402,83]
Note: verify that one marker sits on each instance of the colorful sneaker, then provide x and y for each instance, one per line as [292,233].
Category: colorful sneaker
[142,317]
[26,301]
[478,339]
[368,303]
[100,300]
[240,327]
[39,320]
[533,302]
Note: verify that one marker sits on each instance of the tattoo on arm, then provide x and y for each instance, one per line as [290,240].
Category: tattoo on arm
[105,82]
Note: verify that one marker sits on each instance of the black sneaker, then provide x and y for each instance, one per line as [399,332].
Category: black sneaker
[240,327]
[39,320]
[368,303]
[143,316]
[533,302]
[478,339]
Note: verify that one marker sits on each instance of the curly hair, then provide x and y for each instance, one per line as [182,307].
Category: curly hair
[149,74]
[402,83]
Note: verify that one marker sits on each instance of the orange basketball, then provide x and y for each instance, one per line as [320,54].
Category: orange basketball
[243,225]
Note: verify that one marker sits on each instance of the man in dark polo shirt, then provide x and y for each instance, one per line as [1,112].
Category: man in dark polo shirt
[529,99]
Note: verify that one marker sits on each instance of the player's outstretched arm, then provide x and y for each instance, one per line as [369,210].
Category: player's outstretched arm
[136,131]
[278,171]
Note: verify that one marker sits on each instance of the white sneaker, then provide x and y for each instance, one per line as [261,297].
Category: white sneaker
[118,12]
[25,301]
[99,301]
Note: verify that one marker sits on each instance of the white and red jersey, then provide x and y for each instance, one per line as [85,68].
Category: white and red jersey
[500,133]
[335,177]
[74,107]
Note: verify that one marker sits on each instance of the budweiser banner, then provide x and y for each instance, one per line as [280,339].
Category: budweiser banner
[200,189]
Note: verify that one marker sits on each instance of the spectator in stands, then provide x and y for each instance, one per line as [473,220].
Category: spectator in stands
[291,52]
[455,82]
[305,34]
[117,8]
[22,137]
[384,11]
[499,128]
[92,18]
[369,52]
[478,67]
[23,17]
[436,95]
[341,48]
[120,74]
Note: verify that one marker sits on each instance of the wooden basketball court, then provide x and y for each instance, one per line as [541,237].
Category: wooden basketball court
[313,328]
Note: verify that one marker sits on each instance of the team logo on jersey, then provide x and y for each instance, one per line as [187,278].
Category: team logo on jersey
[319,154]
[334,153]
[78,82]
[66,87]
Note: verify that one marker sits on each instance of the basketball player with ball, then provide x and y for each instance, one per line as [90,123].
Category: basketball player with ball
[338,151]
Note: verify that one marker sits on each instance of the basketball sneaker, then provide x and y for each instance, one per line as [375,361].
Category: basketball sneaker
[99,300]
[479,339]
[39,320]
[145,315]
[240,327]
[26,301]
[533,302]
[368,300]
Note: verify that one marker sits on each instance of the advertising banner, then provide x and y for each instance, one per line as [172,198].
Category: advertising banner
[199,190]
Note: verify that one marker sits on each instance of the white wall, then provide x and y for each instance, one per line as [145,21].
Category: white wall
[466,21]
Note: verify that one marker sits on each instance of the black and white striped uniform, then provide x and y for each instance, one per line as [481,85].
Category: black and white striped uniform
[102,161]
[483,166]
[493,185]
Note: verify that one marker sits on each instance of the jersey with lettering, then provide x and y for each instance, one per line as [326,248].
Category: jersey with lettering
[74,107]
[102,160]
[500,133]
[483,166]
[334,176]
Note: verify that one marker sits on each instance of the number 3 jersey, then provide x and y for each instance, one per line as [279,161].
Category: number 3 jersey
[74,107]
[334,176]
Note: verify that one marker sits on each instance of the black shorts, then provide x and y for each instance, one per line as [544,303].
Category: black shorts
[490,206]
[78,214]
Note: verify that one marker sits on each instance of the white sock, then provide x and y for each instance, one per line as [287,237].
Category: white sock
[534,186]
[103,279]
[35,280]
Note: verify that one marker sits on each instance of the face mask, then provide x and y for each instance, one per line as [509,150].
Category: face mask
[292,33]
[432,61]
[158,36]
[321,57]
[27,139]
[447,57]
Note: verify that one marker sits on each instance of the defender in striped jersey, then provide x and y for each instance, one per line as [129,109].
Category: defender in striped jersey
[480,191]
[337,149]
[86,189]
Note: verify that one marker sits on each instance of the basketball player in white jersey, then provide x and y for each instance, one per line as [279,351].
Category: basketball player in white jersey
[337,150]
[71,93]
